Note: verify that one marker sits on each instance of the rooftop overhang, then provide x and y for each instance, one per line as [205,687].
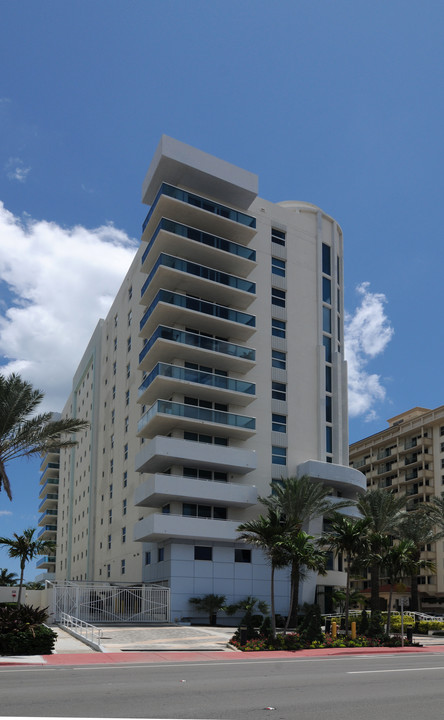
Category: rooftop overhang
[184,166]
[340,477]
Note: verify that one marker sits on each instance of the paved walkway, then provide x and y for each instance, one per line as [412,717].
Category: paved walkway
[175,644]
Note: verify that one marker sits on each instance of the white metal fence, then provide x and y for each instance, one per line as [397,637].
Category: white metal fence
[110,603]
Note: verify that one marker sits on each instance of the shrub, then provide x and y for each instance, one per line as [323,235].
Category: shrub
[395,622]
[37,640]
[310,627]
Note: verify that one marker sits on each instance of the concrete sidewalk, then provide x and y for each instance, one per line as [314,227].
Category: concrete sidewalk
[175,643]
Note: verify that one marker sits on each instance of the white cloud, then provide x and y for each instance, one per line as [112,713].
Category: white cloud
[5,512]
[16,170]
[61,281]
[367,334]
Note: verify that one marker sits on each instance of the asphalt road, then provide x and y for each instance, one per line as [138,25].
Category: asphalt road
[406,687]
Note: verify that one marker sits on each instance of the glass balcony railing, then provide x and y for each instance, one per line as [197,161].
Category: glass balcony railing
[201,271]
[50,466]
[201,237]
[47,513]
[50,481]
[49,496]
[46,560]
[202,203]
[198,341]
[167,407]
[47,528]
[197,376]
[202,306]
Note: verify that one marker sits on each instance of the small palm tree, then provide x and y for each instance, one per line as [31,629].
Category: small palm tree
[398,561]
[22,433]
[346,536]
[419,528]
[7,579]
[210,604]
[26,548]
[266,533]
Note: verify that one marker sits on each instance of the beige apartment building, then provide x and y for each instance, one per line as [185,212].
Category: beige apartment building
[408,458]
[219,368]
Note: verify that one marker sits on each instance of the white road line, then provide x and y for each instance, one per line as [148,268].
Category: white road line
[366,672]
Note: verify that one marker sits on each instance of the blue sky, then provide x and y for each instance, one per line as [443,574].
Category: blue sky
[336,103]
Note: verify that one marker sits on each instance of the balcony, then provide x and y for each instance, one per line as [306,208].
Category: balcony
[195,245]
[49,500]
[164,416]
[47,561]
[168,343]
[161,489]
[51,470]
[51,483]
[50,457]
[189,277]
[170,307]
[345,479]
[48,532]
[195,210]
[159,526]
[161,452]
[48,516]
[165,379]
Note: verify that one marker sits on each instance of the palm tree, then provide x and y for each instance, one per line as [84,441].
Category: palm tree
[299,500]
[346,536]
[265,533]
[398,561]
[210,604]
[7,579]
[419,528]
[304,555]
[26,548]
[383,511]
[22,433]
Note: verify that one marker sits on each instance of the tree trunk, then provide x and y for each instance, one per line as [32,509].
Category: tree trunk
[19,599]
[273,615]
[389,609]
[347,597]
[374,580]
[292,618]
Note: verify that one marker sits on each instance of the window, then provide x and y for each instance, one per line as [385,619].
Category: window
[328,412]
[128,344]
[278,267]
[148,558]
[113,416]
[278,455]
[278,297]
[278,391]
[166,509]
[277,236]
[204,511]
[122,567]
[242,556]
[326,341]
[110,516]
[125,451]
[112,441]
[115,343]
[126,423]
[130,317]
[116,319]
[278,359]
[329,440]
[124,534]
[201,552]
[160,554]
[277,328]
[114,392]
[109,542]
[130,292]
[124,506]
[328,378]
[326,290]
[279,423]
[127,396]
[108,571]
[326,319]
[125,479]
[110,491]
[128,371]
[114,367]
[111,466]
[326,259]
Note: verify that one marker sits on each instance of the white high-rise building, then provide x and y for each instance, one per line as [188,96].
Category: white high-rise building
[219,368]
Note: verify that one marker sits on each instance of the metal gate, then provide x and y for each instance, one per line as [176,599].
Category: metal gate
[111,603]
